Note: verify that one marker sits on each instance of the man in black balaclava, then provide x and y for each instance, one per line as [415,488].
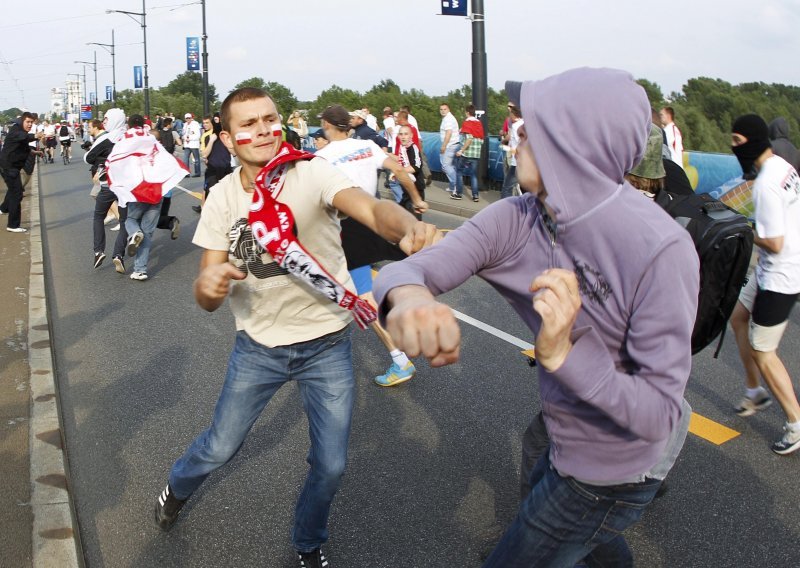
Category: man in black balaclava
[756,135]
[762,312]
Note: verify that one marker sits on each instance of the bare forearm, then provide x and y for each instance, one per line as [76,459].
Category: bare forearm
[392,222]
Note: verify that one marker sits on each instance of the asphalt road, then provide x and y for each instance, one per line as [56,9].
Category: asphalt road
[433,465]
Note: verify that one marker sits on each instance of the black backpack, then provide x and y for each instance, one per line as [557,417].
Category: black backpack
[724,242]
[63,131]
[167,140]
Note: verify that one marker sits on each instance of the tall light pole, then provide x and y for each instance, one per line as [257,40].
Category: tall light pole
[143,23]
[206,103]
[479,81]
[96,95]
[110,48]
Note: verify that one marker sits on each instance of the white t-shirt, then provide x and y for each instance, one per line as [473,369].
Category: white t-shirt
[513,139]
[391,137]
[776,197]
[413,121]
[359,160]
[372,122]
[273,307]
[675,143]
[50,131]
[449,122]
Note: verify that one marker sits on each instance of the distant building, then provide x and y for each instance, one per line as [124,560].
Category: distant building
[58,101]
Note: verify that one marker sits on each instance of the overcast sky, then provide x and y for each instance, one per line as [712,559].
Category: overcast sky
[309,45]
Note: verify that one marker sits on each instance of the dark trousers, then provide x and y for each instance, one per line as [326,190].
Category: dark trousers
[165,220]
[213,175]
[101,206]
[12,204]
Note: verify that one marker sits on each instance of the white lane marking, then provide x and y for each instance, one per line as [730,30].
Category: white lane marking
[493,330]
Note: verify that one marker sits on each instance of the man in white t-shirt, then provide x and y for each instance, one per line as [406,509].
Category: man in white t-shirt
[674,137]
[360,160]
[283,324]
[191,142]
[450,143]
[370,119]
[762,312]
[516,122]
[389,127]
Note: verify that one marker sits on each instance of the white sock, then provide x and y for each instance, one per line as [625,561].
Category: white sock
[753,393]
[399,358]
[794,426]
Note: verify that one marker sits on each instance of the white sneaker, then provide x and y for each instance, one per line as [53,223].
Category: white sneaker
[789,443]
[139,276]
[134,241]
[115,228]
[16,230]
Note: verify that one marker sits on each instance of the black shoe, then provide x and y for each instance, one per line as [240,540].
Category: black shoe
[313,559]
[119,264]
[175,230]
[196,176]
[167,509]
[99,257]
[456,197]
[197,208]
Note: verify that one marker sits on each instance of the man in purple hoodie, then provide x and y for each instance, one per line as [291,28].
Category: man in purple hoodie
[608,283]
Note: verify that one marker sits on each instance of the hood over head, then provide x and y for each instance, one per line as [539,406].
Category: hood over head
[778,128]
[114,123]
[587,127]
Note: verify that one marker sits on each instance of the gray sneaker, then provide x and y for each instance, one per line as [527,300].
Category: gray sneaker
[134,241]
[747,406]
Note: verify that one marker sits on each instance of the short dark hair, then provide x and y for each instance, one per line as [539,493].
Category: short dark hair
[670,111]
[470,109]
[97,123]
[240,96]
[135,121]
[515,110]
[27,114]
[167,121]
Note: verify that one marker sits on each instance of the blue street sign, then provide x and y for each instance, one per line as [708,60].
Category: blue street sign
[137,76]
[86,112]
[454,8]
[193,53]
[109,93]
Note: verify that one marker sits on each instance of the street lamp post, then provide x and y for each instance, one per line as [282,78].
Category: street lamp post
[110,48]
[143,23]
[94,66]
[206,105]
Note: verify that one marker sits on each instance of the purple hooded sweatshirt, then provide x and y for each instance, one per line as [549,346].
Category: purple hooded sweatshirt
[612,406]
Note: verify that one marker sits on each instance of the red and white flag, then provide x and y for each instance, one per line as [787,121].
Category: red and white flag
[140,169]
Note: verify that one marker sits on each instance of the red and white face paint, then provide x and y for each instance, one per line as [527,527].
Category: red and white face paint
[243,138]
[277,130]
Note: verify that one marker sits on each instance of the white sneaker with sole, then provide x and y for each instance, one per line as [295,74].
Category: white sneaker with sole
[747,406]
[139,276]
[790,442]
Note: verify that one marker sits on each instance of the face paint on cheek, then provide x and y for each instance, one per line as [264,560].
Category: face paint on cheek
[277,130]
[243,138]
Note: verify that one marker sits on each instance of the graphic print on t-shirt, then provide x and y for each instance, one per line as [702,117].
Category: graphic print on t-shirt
[247,253]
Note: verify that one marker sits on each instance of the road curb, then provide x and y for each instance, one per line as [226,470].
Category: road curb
[54,538]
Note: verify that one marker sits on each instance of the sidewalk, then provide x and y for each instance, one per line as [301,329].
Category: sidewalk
[35,513]
[438,199]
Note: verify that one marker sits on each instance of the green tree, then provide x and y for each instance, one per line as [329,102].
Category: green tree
[190,82]
[282,95]
[654,94]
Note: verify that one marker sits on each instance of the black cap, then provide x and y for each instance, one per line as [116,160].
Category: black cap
[514,92]
[318,134]
[337,116]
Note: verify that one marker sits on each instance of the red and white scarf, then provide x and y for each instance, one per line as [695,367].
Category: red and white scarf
[272,224]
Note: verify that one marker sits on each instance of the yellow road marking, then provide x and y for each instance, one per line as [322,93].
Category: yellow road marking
[709,430]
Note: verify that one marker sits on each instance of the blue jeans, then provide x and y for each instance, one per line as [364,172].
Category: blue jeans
[509,182]
[397,190]
[563,521]
[467,167]
[194,152]
[448,167]
[323,369]
[142,217]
